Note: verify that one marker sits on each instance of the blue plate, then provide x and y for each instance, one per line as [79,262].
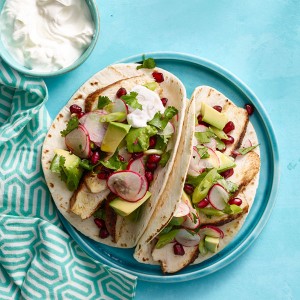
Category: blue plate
[194,71]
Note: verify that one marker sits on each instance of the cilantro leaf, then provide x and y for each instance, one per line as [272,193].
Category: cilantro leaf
[103,101]
[203,151]
[204,137]
[71,125]
[148,63]
[114,163]
[244,151]
[161,142]
[160,121]
[100,214]
[132,101]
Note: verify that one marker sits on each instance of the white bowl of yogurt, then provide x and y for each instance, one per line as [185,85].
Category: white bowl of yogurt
[47,37]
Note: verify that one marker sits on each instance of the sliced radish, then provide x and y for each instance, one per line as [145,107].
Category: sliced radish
[201,128]
[211,230]
[218,196]
[137,166]
[212,144]
[192,221]
[182,210]
[125,154]
[194,169]
[186,238]
[128,185]
[95,128]
[168,130]
[212,161]
[247,144]
[78,142]
[120,106]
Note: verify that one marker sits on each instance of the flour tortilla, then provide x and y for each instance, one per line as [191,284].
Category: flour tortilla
[143,252]
[108,81]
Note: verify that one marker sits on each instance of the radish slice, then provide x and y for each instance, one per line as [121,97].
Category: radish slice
[125,154]
[247,144]
[78,142]
[201,128]
[137,166]
[120,106]
[192,221]
[211,230]
[212,161]
[95,128]
[182,210]
[194,169]
[212,144]
[168,130]
[218,197]
[128,185]
[186,238]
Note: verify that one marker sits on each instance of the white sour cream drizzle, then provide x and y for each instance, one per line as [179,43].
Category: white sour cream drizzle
[151,104]
[46,35]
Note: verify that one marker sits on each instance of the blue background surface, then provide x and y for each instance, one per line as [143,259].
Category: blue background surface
[258,41]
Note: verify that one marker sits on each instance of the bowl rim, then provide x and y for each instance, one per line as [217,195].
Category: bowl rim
[22,69]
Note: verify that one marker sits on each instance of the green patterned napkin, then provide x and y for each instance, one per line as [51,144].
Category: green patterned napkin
[38,259]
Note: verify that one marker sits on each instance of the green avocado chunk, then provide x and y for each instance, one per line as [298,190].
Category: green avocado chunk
[125,208]
[213,117]
[211,243]
[226,162]
[115,133]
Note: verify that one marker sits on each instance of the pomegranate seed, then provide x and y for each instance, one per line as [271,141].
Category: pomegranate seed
[223,150]
[103,233]
[121,92]
[99,222]
[103,175]
[229,127]
[154,158]
[218,108]
[152,141]
[158,77]
[199,118]
[136,155]
[151,166]
[178,249]
[95,157]
[79,115]
[236,201]
[189,189]
[75,109]
[229,141]
[203,203]
[164,101]
[250,109]
[149,176]
[121,158]
[228,173]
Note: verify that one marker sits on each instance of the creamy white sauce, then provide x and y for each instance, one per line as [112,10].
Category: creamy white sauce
[151,104]
[46,35]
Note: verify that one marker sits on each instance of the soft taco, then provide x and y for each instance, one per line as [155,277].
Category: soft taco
[217,190]
[110,150]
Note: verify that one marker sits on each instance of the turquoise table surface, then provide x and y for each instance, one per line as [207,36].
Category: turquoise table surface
[258,41]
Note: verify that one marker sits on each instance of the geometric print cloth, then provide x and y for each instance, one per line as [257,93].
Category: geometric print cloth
[38,259]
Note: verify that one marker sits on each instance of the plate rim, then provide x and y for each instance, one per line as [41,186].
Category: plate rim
[252,236]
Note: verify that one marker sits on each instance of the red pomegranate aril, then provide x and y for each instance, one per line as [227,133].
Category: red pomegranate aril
[178,249]
[103,175]
[121,158]
[99,222]
[151,166]
[218,108]
[121,92]
[154,158]
[158,77]
[152,141]
[203,203]
[228,173]
[222,150]
[164,101]
[103,233]
[228,127]
[137,155]
[188,188]
[80,114]
[229,141]
[235,201]
[250,109]
[75,109]
[95,157]
[199,118]
[149,176]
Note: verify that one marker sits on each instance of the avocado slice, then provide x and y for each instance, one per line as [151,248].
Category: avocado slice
[71,160]
[125,208]
[211,243]
[213,117]
[115,133]
[226,162]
